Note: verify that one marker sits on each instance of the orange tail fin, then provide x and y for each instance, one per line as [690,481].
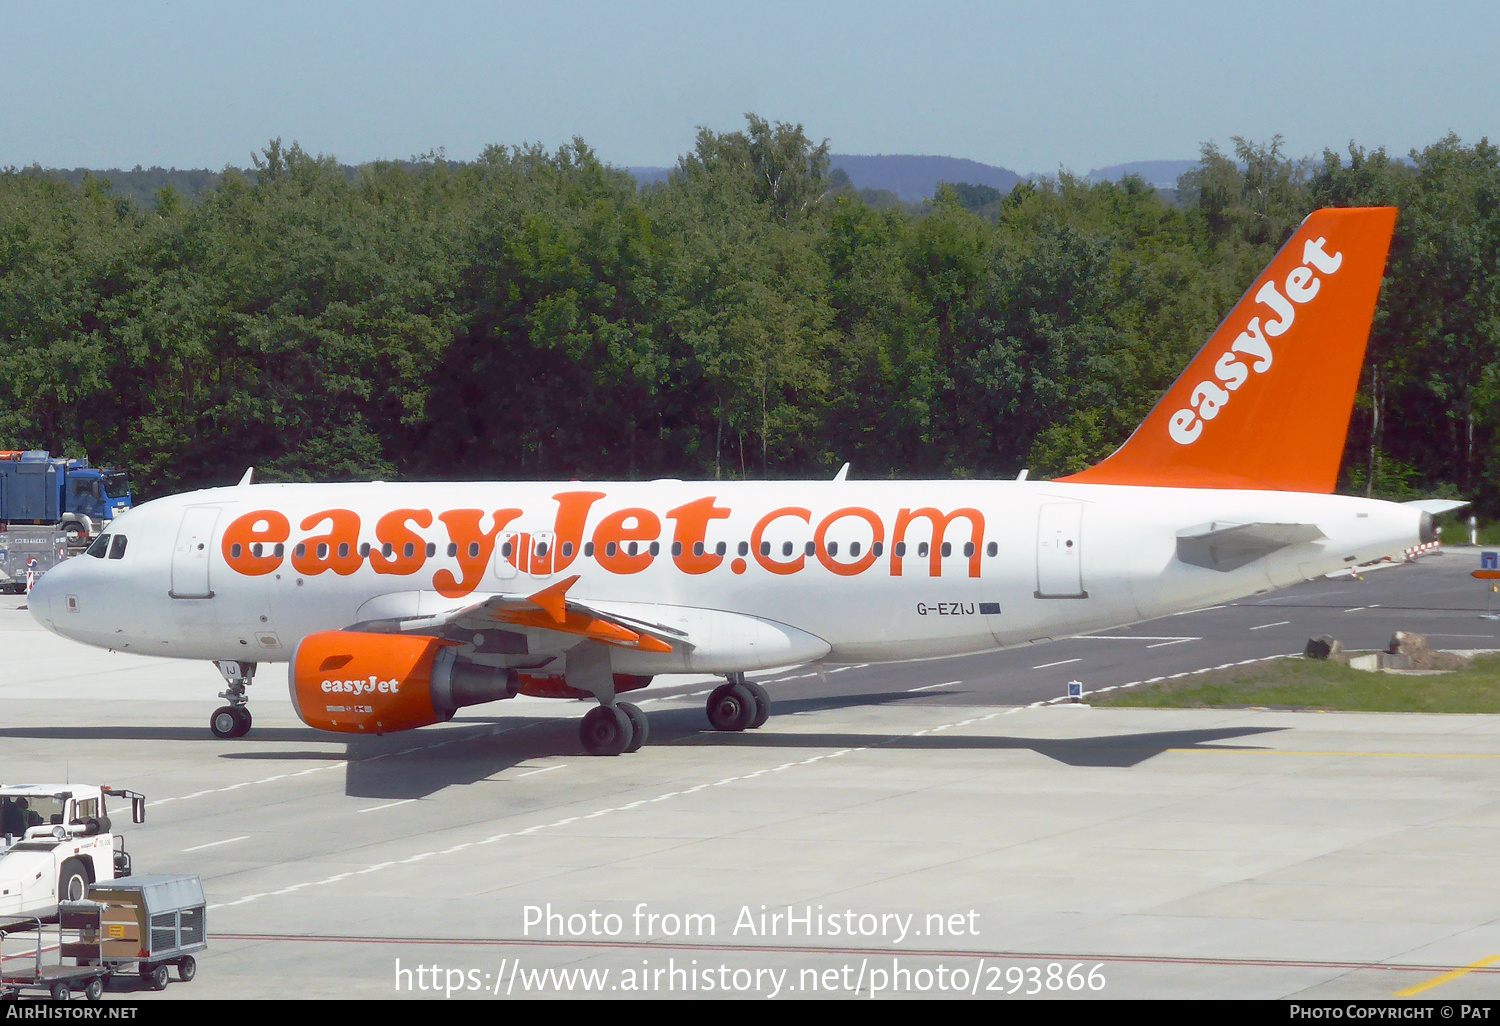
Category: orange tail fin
[1266,403]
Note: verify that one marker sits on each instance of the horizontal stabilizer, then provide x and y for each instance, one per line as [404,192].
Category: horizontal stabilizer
[1224,547]
[1437,507]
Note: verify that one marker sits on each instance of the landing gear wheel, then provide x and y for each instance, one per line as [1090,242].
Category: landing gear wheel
[187,968]
[605,731]
[224,722]
[242,721]
[731,707]
[155,976]
[639,728]
[72,882]
[762,705]
[94,989]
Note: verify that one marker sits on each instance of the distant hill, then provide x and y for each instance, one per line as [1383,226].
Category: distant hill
[911,178]
[916,178]
[1160,174]
[649,175]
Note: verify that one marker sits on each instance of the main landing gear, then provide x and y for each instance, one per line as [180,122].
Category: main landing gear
[738,704]
[614,729]
[233,720]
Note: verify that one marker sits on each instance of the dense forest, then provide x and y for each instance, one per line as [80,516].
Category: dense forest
[536,314]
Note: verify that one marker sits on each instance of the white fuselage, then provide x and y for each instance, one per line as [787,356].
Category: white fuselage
[1048,560]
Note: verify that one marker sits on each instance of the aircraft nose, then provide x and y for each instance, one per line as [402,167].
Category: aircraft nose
[39,602]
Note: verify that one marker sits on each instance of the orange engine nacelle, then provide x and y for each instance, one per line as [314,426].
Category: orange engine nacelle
[355,683]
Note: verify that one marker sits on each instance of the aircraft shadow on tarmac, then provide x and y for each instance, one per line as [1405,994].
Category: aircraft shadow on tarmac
[473,749]
[392,768]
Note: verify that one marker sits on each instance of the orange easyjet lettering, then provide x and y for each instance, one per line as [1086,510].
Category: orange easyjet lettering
[473,548]
[624,541]
[338,550]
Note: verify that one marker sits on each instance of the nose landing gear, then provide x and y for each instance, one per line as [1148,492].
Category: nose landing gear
[233,720]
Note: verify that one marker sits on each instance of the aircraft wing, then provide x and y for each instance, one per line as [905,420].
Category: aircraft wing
[548,610]
[1224,547]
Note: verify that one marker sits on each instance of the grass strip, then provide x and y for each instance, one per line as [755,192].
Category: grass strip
[1298,683]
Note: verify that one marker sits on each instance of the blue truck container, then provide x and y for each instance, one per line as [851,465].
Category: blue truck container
[49,503]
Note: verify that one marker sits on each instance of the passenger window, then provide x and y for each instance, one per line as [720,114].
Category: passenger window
[992,549]
[100,548]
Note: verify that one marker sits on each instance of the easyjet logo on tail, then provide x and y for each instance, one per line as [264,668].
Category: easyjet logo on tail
[1230,372]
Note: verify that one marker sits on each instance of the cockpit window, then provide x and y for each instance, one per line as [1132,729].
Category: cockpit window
[117,551]
[100,548]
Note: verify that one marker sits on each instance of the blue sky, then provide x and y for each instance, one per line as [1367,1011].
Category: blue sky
[1030,86]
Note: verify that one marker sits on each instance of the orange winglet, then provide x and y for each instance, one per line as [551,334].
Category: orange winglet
[554,598]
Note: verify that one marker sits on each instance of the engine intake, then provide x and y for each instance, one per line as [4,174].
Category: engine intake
[351,682]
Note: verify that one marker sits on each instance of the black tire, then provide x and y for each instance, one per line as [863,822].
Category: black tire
[762,705]
[243,720]
[156,976]
[94,989]
[224,722]
[731,707]
[605,730]
[61,991]
[72,881]
[187,968]
[640,729]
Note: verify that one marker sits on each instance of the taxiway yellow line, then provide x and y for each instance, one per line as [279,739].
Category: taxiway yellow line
[1438,981]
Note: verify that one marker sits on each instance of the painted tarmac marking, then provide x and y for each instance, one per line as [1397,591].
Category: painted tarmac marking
[944,684]
[1448,977]
[215,844]
[388,805]
[1278,623]
[1134,637]
[1060,662]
